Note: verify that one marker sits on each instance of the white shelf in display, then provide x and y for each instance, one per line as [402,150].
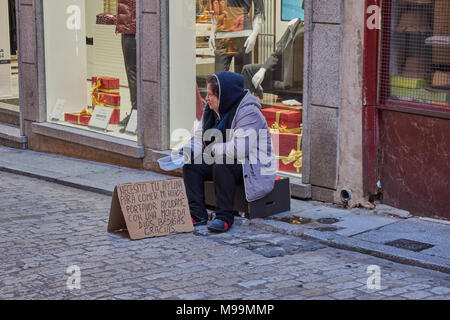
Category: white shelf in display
[205,60]
[203,29]
[205,51]
[233,34]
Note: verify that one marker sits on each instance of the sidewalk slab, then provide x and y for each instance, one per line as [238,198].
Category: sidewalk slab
[357,230]
[108,179]
[436,234]
[82,174]
[418,259]
[351,222]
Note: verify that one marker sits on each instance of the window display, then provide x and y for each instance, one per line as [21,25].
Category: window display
[226,35]
[90,57]
[284,68]
[9,89]
[416,58]
[233,32]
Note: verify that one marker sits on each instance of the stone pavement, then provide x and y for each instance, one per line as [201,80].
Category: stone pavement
[54,245]
[361,230]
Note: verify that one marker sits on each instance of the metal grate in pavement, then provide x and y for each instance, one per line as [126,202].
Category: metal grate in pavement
[410,245]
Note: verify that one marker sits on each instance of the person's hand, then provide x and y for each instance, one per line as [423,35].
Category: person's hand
[258,78]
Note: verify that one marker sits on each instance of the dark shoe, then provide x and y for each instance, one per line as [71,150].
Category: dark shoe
[196,221]
[219,226]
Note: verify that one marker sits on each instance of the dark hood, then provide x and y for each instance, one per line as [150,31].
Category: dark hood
[231,90]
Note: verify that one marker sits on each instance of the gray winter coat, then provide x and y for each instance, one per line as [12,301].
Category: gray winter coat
[249,142]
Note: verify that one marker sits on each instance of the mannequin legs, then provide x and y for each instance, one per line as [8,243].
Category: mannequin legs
[129,54]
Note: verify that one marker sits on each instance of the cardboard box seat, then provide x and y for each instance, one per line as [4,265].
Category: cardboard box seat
[279,200]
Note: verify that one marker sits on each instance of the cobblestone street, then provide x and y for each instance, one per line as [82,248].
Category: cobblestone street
[46,228]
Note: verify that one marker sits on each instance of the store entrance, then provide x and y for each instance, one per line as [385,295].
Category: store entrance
[10,129]
[9,71]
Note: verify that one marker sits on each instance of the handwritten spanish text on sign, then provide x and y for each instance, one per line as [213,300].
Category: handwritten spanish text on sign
[150,209]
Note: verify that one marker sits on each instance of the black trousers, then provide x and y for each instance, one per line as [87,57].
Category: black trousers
[129,55]
[226,177]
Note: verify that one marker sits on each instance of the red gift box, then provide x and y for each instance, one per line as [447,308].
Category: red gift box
[108,85]
[77,118]
[106,99]
[281,118]
[287,148]
[105,92]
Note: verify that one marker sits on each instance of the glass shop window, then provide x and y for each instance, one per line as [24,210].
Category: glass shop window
[90,65]
[416,52]
[260,39]
[9,68]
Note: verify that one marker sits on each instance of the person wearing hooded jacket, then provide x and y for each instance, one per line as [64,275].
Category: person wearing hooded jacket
[241,151]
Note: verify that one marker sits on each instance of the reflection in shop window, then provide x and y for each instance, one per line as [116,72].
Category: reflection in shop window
[246,36]
[90,57]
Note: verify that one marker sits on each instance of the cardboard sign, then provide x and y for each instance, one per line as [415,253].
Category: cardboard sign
[100,118]
[150,209]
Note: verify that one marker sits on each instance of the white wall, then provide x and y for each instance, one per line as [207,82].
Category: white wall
[281,26]
[182,65]
[65,54]
[93,7]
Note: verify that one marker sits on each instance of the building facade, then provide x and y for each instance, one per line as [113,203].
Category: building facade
[351,146]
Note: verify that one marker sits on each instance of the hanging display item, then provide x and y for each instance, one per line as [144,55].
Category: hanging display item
[110,6]
[106,19]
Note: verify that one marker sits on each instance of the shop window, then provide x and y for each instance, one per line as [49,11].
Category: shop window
[272,65]
[416,52]
[9,69]
[90,65]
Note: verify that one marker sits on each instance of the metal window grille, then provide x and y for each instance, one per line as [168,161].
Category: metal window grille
[415,52]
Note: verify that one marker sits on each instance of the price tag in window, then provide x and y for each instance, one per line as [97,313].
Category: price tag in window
[57,109]
[132,123]
[100,118]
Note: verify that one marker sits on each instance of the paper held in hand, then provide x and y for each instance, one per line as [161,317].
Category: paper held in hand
[150,209]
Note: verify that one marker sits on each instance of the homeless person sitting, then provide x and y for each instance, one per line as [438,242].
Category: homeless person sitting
[243,157]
